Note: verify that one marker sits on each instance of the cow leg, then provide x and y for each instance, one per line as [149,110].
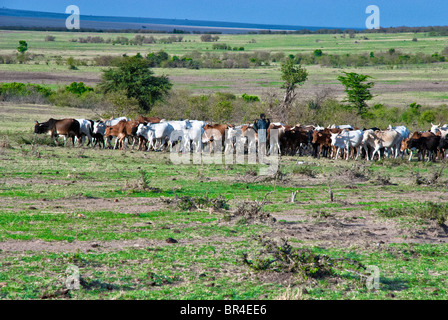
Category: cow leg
[337,153]
[373,154]
[358,153]
[366,149]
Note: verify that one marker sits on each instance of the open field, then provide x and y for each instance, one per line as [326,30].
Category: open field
[397,87]
[110,213]
[290,44]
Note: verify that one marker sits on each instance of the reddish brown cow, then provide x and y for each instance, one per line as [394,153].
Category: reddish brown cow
[122,130]
[281,132]
[251,136]
[69,128]
[143,119]
[213,133]
[322,139]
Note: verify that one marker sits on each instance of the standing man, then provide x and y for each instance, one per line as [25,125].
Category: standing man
[261,126]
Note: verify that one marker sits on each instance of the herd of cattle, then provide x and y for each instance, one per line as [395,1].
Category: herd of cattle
[152,133]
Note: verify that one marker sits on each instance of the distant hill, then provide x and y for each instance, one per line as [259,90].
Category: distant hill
[37,19]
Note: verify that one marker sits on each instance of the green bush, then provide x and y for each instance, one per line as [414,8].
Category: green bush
[78,88]
[16,89]
[249,98]
[427,116]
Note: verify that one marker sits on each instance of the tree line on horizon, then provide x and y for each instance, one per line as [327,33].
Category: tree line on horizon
[431,30]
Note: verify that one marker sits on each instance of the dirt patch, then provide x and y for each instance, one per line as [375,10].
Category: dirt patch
[88,78]
[121,205]
[101,246]
[345,229]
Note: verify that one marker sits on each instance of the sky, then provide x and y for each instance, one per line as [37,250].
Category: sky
[322,13]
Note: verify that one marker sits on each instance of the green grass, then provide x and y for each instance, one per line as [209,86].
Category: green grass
[54,196]
[405,271]
[333,44]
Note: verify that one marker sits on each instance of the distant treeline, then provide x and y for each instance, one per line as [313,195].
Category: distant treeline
[432,30]
[137,40]
[233,58]
[392,57]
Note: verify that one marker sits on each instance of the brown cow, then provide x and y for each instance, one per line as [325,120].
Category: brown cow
[213,133]
[69,128]
[424,144]
[281,131]
[322,139]
[293,138]
[122,130]
[143,119]
[416,135]
[251,136]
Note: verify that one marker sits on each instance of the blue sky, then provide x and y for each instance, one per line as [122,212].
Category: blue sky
[330,13]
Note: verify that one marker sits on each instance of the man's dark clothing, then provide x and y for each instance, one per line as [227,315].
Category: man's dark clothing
[261,124]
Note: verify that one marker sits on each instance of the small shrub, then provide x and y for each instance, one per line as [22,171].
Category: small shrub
[423,210]
[4,143]
[49,38]
[186,203]
[78,88]
[305,170]
[280,256]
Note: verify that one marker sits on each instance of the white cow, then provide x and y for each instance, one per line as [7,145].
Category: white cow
[404,134]
[347,140]
[85,130]
[344,126]
[179,126]
[157,134]
[98,131]
[114,121]
[381,139]
[443,129]
[193,136]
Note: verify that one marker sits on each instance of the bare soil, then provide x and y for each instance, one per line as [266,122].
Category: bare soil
[122,205]
[88,78]
[99,246]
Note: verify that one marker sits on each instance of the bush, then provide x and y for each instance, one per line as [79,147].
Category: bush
[249,98]
[280,256]
[423,210]
[8,59]
[107,61]
[218,107]
[49,38]
[206,38]
[78,88]
[427,116]
[29,93]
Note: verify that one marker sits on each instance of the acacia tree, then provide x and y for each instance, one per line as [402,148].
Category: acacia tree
[292,75]
[134,77]
[357,91]
[22,48]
